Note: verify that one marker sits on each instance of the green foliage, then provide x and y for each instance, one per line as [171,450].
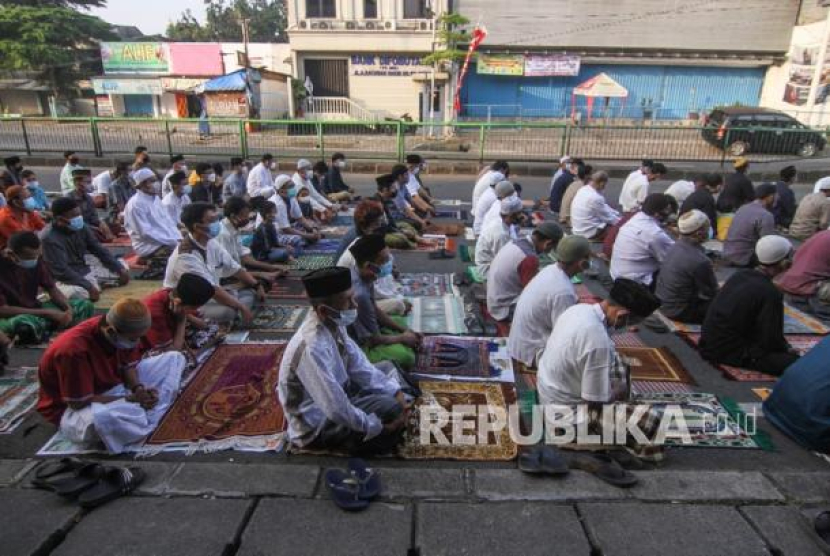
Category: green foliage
[449,36]
[84,4]
[60,44]
[222,22]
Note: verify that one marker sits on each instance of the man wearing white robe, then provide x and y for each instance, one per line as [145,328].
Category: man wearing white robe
[260,179]
[151,230]
[498,235]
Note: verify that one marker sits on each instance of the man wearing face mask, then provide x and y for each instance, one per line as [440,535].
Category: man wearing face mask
[260,178]
[202,182]
[337,189]
[142,158]
[421,199]
[399,234]
[235,182]
[383,338]
[503,190]
[292,227]
[237,217]
[333,396]
[153,234]
[178,197]
[73,162]
[642,244]
[19,214]
[302,179]
[498,234]
[95,386]
[177,164]
[81,195]
[545,298]
[514,266]
[22,273]
[580,364]
[65,247]
[199,253]
[29,181]
[14,166]
[173,312]
[744,326]
[403,201]
[687,283]
[753,221]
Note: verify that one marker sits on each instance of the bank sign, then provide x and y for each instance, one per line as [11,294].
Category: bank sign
[135,57]
[387,65]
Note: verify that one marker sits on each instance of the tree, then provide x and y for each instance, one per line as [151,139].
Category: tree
[58,43]
[83,4]
[267,22]
[449,37]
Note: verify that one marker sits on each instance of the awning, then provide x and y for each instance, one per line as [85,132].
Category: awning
[233,82]
[22,85]
[601,86]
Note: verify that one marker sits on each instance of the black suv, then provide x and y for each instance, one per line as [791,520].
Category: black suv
[741,130]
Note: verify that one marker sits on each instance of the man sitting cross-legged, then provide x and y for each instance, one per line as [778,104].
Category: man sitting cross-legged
[174,311]
[333,396]
[94,385]
[65,248]
[22,273]
[152,232]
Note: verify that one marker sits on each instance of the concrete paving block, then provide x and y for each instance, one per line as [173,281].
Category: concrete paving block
[312,527]
[13,470]
[140,526]
[512,484]
[32,520]
[237,480]
[423,483]
[158,476]
[705,486]
[785,529]
[637,529]
[510,528]
[803,487]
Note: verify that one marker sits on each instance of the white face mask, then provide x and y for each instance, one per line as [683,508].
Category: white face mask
[346,317]
[157,187]
[33,184]
[183,168]
[211,178]
[273,166]
[416,170]
[341,164]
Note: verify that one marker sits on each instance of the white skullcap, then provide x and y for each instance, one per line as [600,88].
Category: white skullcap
[281,180]
[304,163]
[496,177]
[143,174]
[823,184]
[504,188]
[772,249]
[564,159]
[692,221]
[510,205]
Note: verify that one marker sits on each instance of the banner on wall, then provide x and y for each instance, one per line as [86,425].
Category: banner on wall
[135,57]
[551,66]
[478,36]
[500,64]
[126,86]
[387,65]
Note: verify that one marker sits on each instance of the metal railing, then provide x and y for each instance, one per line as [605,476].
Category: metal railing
[391,140]
[340,108]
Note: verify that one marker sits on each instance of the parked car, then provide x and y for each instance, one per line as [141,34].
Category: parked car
[742,130]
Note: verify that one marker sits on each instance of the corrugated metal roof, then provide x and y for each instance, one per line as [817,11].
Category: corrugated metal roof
[232,82]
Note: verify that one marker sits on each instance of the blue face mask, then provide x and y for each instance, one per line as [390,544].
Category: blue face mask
[386,269]
[76,223]
[187,190]
[28,264]
[246,240]
[122,343]
[30,204]
[214,229]
[292,192]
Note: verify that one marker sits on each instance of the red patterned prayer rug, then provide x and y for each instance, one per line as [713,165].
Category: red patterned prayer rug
[231,403]
[585,296]
[288,288]
[654,364]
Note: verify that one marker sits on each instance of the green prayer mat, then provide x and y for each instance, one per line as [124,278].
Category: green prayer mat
[464,253]
[29,329]
[311,262]
[473,274]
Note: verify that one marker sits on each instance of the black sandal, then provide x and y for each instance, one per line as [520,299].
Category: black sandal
[71,486]
[115,482]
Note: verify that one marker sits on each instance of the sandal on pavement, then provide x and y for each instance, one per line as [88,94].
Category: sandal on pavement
[345,491]
[604,468]
[62,466]
[367,478]
[115,482]
[552,462]
[71,486]
[821,524]
[530,461]
[628,461]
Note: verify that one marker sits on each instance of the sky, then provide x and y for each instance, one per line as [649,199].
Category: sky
[151,16]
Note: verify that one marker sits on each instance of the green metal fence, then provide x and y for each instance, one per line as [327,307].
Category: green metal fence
[470,141]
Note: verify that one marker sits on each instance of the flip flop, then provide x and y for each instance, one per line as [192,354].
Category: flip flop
[73,485]
[64,465]
[821,524]
[115,482]
[345,491]
[530,461]
[367,478]
[552,462]
[628,461]
[604,468]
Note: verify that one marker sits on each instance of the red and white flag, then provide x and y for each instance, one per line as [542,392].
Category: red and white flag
[478,36]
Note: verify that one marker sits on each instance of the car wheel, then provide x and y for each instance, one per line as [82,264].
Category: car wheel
[807,150]
[738,148]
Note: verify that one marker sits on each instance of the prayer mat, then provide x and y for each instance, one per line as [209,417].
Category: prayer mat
[311,262]
[137,289]
[457,358]
[437,315]
[495,446]
[745,375]
[278,318]
[342,219]
[762,393]
[455,214]
[709,422]
[288,288]
[322,247]
[424,284]
[800,342]
[466,253]
[122,240]
[231,403]
[432,243]
[18,396]
[469,234]
[59,445]
[448,202]
[639,387]
[795,322]
[334,231]
[445,229]
[627,339]
[472,273]
[654,364]
[584,295]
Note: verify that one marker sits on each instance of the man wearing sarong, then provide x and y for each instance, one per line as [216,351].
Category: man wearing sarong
[333,396]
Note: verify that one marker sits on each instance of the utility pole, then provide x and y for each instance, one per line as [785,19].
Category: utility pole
[245,39]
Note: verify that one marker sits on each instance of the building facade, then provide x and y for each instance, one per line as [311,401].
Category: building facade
[361,59]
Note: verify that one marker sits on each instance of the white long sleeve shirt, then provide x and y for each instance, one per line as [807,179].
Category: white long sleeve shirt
[484,182]
[492,239]
[210,261]
[315,370]
[149,224]
[318,202]
[639,249]
[175,205]
[260,182]
[229,239]
[483,206]
[634,191]
[590,213]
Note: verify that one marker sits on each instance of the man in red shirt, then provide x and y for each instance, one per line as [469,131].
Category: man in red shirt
[19,214]
[172,309]
[95,386]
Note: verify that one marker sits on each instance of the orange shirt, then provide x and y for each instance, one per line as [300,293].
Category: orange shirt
[11,224]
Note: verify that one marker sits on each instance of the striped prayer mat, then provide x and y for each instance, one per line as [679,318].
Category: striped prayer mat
[287,288]
[18,396]
[437,315]
[322,247]
[795,322]
[312,262]
[278,318]
[427,284]
[137,289]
